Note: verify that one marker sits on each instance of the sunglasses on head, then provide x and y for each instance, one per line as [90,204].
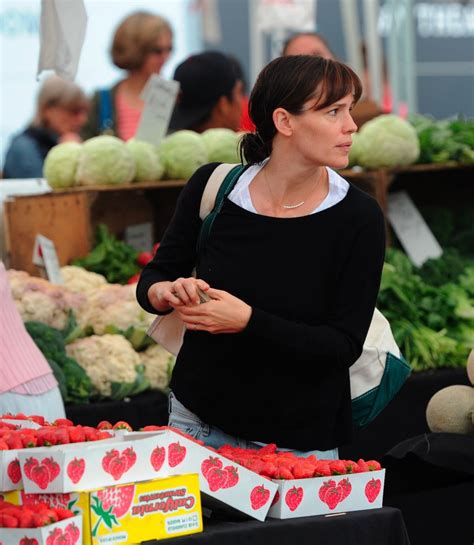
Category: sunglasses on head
[161,50]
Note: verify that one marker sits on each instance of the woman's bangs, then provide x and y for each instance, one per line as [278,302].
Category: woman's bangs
[339,81]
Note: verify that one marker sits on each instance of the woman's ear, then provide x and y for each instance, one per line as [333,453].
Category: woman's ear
[282,121]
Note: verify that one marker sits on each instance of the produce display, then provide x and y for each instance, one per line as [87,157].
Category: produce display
[93,335]
[431,308]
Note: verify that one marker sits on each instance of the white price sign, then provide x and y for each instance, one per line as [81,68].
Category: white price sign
[160,97]
[44,255]
[411,229]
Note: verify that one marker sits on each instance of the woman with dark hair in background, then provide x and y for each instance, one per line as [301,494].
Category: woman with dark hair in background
[141,45]
[292,265]
[61,112]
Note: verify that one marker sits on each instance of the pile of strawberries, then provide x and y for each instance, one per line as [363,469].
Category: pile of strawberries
[60,434]
[31,515]
[286,465]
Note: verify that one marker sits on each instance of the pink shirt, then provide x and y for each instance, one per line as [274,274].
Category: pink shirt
[23,368]
[127,118]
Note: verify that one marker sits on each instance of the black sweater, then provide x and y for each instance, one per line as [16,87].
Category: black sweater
[312,283]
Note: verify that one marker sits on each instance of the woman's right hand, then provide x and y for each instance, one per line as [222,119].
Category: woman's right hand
[183,291]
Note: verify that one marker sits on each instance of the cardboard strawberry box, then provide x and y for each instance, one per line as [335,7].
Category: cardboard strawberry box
[66,531]
[10,472]
[131,513]
[219,477]
[85,466]
[325,495]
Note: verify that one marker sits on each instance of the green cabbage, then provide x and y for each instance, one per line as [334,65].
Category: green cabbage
[355,150]
[60,164]
[147,161]
[182,153]
[105,160]
[387,141]
[222,145]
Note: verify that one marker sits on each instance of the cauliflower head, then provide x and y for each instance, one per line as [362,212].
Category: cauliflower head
[105,359]
[158,364]
[38,300]
[79,280]
[387,141]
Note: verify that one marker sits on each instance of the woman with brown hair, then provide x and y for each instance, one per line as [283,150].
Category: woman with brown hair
[292,266]
[61,112]
[141,45]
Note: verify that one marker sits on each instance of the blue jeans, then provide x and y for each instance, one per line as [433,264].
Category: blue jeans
[185,420]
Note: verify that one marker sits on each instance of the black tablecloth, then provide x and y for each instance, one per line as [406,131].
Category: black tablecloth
[404,417]
[431,479]
[373,527]
[148,408]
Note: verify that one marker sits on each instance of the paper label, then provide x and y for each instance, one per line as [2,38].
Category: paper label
[160,97]
[140,236]
[44,255]
[411,229]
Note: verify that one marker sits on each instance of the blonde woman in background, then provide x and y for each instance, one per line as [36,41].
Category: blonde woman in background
[61,111]
[141,45]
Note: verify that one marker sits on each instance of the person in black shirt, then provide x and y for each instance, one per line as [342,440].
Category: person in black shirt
[292,264]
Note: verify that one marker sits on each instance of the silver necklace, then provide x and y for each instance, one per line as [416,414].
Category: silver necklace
[288,206]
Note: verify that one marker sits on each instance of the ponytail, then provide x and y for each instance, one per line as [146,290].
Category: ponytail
[253,149]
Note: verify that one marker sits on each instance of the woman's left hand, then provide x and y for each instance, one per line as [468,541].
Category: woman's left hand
[224,314]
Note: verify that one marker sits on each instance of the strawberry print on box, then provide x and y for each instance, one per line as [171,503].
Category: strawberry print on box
[67,531]
[10,472]
[323,495]
[70,468]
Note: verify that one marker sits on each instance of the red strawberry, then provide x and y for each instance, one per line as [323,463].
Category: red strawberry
[232,476]
[109,456]
[63,513]
[338,467]
[28,541]
[38,419]
[73,532]
[351,467]
[157,458]
[118,466]
[284,473]
[75,469]
[176,454]
[363,467]
[372,489]
[117,498]
[322,469]
[63,422]
[41,519]
[325,487]
[76,434]
[293,497]
[153,428]
[346,488]
[122,425]
[14,471]
[130,456]
[3,445]
[104,425]
[7,521]
[25,519]
[259,497]
[155,247]
[40,475]
[210,463]
[54,468]
[276,498]
[134,279]
[303,470]
[216,478]
[374,465]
